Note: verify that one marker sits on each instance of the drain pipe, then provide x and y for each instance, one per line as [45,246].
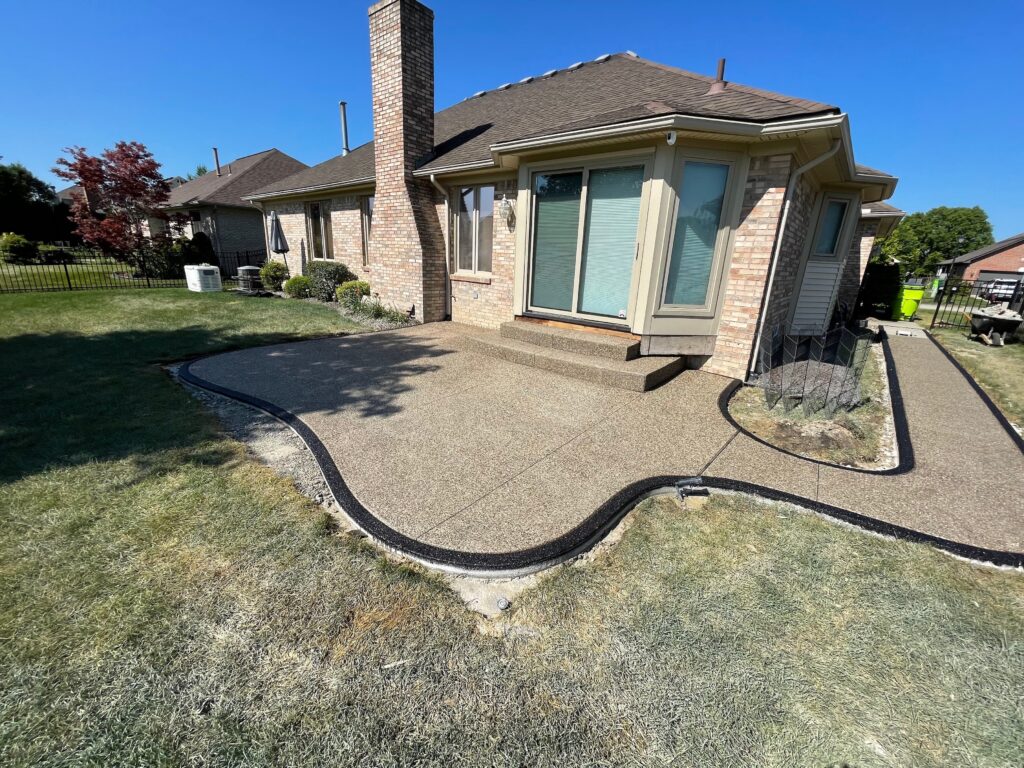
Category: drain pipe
[447,255]
[787,202]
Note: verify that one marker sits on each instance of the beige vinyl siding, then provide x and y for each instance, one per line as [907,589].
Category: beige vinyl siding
[817,294]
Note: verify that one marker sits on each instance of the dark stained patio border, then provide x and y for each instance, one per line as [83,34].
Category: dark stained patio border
[904,446]
[592,529]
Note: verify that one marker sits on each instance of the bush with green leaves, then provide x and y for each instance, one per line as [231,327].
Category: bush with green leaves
[273,274]
[325,277]
[298,287]
[351,293]
[17,249]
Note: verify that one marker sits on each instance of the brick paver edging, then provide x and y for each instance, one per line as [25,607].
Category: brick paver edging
[587,533]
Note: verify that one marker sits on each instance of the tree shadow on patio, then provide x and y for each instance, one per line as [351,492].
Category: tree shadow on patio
[67,399]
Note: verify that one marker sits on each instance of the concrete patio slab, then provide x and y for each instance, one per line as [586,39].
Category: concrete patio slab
[468,460]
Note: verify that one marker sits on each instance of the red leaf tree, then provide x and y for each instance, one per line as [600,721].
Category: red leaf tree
[123,187]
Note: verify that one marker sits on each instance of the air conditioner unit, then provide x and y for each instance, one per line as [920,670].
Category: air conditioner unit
[202,278]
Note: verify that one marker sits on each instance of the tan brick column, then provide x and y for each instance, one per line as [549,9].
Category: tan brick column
[407,265]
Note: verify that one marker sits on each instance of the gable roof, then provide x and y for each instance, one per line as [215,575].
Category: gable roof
[616,89]
[988,250]
[238,178]
[879,209]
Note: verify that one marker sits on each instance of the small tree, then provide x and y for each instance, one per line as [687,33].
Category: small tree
[201,170]
[123,188]
[922,240]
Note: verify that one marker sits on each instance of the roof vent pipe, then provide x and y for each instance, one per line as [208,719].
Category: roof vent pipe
[216,160]
[719,85]
[344,128]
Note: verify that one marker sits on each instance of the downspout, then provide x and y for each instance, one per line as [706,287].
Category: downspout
[787,202]
[447,255]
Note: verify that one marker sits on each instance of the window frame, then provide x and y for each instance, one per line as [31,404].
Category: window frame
[455,196]
[644,158]
[826,201]
[725,226]
[326,235]
[366,219]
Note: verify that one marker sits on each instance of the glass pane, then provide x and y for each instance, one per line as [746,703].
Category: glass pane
[556,225]
[316,239]
[464,237]
[609,245]
[367,225]
[831,224]
[485,232]
[325,217]
[696,232]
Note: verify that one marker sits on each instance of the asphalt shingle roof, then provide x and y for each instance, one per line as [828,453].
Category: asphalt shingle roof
[238,178]
[619,89]
[882,209]
[988,250]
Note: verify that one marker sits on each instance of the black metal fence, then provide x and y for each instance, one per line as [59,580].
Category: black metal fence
[816,373]
[956,299]
[83,269]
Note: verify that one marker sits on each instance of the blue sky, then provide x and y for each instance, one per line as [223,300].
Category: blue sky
[935,96]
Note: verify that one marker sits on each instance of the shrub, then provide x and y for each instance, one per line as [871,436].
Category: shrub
[325,277]
[273,273]
[298,287]
[200,247]
[17,249]
[350,293]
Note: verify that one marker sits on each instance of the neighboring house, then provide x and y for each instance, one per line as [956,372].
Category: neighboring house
[999,261]
[214,202]
[620,193]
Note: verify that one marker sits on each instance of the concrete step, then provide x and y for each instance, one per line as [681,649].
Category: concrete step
[636,375]
[578,342]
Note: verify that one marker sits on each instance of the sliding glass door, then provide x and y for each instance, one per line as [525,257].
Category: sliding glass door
[585,229]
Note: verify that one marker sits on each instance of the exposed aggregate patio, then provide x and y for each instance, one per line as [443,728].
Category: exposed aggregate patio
[468,453]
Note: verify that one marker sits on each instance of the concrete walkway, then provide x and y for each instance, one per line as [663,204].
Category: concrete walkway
[449,452]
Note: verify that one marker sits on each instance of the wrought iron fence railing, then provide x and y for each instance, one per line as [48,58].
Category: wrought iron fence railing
[81,269]
[815,373]
[956,299]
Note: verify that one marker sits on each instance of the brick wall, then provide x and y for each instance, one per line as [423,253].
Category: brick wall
[1010,260]
[785,288]
[346,231]
[407,264]
[748,272]
[238,229]
[861,243]
[292,215]
[490,304]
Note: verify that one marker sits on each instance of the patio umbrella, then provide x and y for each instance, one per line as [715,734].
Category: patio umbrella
[277,242]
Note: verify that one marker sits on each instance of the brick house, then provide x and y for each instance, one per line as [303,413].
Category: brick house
[686,211]
[1000,261]
[214,202]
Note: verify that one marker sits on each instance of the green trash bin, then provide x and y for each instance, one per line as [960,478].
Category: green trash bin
[909,297]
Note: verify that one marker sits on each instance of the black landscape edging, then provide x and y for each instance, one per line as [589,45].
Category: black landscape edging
[904,447]
[581,537]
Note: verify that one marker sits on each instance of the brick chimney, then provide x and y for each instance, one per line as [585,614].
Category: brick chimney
[407,262]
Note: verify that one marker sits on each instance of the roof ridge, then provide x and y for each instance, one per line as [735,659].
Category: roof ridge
[604,57]
[235,178]
[773,95]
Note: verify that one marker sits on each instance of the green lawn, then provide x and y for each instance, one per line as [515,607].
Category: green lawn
[166,601]
[999,370]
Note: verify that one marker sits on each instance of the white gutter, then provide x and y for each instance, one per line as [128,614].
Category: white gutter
[779,236]
[447,249]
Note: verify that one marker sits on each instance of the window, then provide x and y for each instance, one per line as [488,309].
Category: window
[695,237]
[366,205]
[193,216]
[830,225]
[474,229]
[318,224]
[586,239]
